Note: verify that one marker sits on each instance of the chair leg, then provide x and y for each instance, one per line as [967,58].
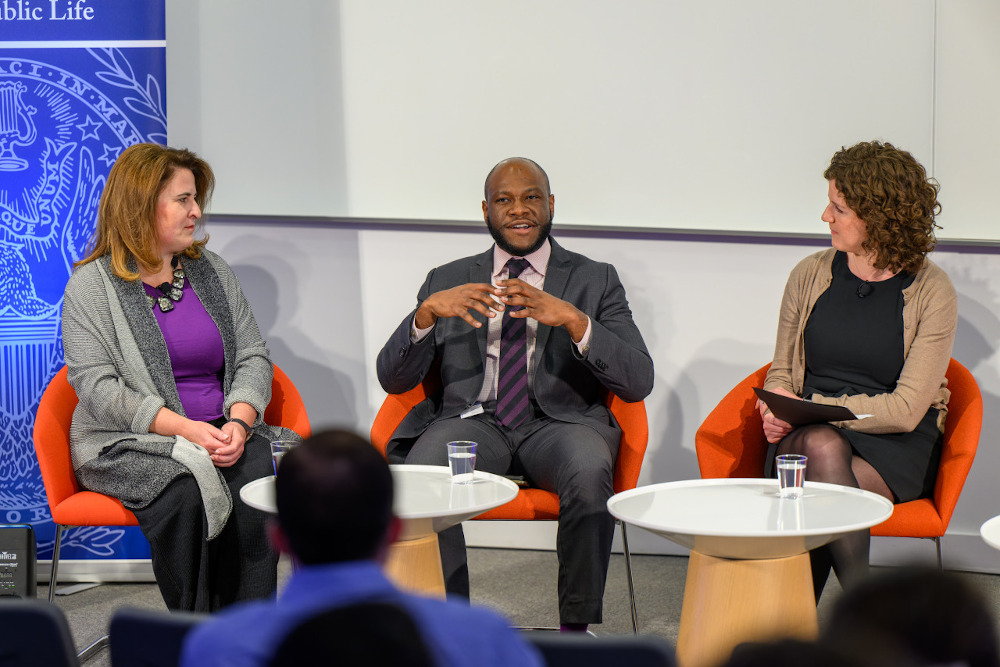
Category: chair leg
[937,541]
[102,643]
[631,585]
[55,562]
[92,650]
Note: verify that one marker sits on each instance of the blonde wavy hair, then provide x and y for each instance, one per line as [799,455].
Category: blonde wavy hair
[890,191]
[126,215]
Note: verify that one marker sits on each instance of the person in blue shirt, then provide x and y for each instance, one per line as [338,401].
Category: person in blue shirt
[334,499]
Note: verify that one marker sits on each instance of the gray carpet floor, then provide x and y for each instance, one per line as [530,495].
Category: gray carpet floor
[519,584]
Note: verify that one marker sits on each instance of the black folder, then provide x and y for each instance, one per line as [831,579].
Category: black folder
[798,412]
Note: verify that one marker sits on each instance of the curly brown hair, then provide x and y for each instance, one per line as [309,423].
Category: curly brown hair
[888,189]
[126,215]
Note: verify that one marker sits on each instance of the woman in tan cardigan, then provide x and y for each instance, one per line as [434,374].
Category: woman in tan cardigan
[868,324]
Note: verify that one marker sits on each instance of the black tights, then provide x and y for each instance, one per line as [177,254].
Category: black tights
[830,458]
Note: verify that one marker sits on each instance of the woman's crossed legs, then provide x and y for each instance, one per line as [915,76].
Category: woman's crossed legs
[831,459]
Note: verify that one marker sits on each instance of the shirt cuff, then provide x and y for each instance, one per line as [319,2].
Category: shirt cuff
[417,335]
[583,347]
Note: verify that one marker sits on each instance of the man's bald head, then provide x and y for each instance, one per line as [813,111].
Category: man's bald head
[521,161]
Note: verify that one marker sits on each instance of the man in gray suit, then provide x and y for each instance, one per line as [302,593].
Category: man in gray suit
[527,338]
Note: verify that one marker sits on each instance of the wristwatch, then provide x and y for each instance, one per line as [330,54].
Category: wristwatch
[246,426]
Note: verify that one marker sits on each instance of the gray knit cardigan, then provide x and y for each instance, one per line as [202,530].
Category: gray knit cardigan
[119,366]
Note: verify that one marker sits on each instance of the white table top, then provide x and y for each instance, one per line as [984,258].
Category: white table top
[990,532]
[425,497]
[745,518]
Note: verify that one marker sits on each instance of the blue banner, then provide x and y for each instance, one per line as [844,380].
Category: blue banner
[82,20]
[80,81]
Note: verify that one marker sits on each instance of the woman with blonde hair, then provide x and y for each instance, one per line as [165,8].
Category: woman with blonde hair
[173,379]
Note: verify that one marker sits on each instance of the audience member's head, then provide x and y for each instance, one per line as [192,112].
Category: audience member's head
[914,616]
[788,653]
[334,498]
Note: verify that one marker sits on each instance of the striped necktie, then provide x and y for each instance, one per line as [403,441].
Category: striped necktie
[512,379]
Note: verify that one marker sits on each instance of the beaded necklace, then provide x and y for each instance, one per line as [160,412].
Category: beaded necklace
[169,292]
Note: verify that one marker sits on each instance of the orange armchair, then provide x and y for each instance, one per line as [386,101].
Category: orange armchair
[730,443]
[69,505]
[286,407]
[537,504]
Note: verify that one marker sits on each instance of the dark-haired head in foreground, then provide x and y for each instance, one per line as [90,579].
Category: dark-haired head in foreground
[915,616]
[790,653]
[334,497]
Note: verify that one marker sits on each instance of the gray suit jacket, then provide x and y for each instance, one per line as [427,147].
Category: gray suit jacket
[567,387]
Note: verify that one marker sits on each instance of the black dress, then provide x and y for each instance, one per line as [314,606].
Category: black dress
[854,345]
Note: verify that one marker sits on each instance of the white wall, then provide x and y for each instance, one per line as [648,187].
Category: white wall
[328,297]
[303,107]
[674,114]
[967,94]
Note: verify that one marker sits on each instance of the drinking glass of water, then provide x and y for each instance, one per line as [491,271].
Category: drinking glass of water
[791,474]
[462,461]
[278,450]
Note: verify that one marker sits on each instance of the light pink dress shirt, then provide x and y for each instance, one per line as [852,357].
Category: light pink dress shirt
[534,275]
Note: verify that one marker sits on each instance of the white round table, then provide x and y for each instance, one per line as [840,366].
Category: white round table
[748,577]
[990,532]
[428,502]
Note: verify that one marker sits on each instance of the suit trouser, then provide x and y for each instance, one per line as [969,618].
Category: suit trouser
[571,460]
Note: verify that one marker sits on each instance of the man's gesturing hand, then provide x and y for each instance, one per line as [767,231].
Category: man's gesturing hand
[542,307]
[457,302]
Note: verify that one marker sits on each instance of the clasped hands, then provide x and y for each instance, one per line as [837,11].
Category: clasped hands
[489,300]
[224,445]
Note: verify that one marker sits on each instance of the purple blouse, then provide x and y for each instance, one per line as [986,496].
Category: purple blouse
[196,355]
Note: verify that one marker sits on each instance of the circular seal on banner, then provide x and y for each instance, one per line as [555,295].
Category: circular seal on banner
[59,136]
